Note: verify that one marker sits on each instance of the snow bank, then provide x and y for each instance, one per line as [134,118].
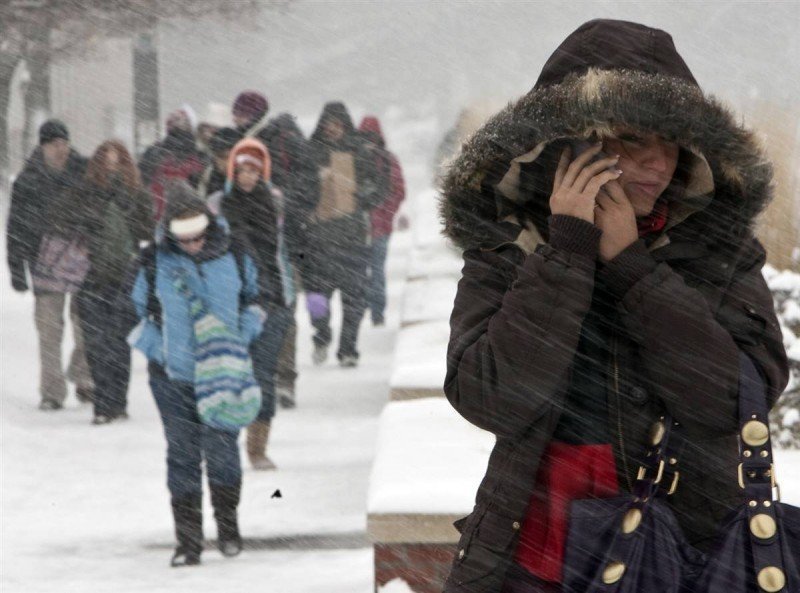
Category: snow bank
[429,460]
[421,356]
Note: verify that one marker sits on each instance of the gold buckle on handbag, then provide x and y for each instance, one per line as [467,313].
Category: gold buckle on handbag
[674,486]
[774,485]
[660,474]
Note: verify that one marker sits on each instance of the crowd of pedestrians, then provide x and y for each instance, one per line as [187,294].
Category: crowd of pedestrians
[196,256]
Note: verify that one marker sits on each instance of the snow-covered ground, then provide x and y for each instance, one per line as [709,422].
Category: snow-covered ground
[85,508]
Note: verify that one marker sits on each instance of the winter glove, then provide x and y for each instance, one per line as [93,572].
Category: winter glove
[18,280]
[317,305]
[146,337]
[19,283]
[251,322]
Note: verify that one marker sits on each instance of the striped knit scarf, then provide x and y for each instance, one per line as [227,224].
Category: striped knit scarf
[227,394]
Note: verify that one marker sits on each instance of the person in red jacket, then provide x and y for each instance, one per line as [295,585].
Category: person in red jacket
[382,217]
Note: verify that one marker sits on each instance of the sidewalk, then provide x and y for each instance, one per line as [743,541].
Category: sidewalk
[85,508]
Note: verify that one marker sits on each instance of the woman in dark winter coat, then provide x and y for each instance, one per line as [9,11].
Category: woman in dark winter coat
[341,192]
[600,290]
[117,217]
[254,210]
[192,244]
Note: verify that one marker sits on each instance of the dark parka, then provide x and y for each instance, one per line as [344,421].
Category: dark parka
[340,241]
[43,202]
[111,256]
[253,221]
[683,305]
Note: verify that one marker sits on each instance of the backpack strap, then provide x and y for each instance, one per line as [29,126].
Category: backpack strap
[147,261]
[239,251]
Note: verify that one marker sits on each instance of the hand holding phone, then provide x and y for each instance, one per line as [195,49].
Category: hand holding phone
[579,178]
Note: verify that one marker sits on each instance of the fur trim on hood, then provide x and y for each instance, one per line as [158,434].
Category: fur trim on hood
[581,94]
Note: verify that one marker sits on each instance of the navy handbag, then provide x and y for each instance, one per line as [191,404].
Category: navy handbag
[633,543]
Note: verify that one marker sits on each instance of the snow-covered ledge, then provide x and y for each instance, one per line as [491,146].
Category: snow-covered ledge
[428,465]
[420,361]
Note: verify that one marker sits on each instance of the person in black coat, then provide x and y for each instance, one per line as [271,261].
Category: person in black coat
[45,211]
[337,200]
[254,211]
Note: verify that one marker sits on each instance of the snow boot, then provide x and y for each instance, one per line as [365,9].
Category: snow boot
[225,500]
[320,354]
[348,361]
[286,397]
[188,515]
[257,437]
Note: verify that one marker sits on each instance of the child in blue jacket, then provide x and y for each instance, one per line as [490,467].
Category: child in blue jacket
[194,245]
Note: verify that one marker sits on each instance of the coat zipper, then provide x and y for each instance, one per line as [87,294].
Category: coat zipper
[621,437]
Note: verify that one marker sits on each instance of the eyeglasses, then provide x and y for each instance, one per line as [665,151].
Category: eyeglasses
[192,240]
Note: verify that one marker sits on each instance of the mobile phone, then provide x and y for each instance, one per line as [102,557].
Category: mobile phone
[580,146]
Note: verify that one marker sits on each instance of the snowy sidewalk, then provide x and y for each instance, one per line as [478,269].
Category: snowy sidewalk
[85,508]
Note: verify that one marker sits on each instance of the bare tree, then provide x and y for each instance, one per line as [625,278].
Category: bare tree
[39,32]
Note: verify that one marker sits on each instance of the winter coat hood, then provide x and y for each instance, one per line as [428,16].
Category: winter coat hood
[252,147]
[284,123]
[333,110]
[370,128]
[606,74]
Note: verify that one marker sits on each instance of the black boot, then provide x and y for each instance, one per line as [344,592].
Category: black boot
[225,500]
[188,515]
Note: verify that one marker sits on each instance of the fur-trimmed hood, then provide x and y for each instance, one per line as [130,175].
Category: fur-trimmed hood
[606,74]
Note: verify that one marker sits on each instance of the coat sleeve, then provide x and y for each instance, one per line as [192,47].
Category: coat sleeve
[20,233]
[691,353]
[253,316]
[515,328]
[146,336]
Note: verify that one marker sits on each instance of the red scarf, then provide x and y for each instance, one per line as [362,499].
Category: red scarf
[655,221]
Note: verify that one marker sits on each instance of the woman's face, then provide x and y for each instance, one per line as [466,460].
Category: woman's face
[192,245]
[333,129]
[247,177]
[648,163]
[112,161]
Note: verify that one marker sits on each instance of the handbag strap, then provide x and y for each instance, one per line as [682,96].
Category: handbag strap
[757,478]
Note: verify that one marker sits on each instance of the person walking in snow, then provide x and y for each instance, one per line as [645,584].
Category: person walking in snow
[600,289]
[254,210]
[391,187]
[194,246]
[44,240]
[288,151]
[176,157]
[340,195]
[117,217]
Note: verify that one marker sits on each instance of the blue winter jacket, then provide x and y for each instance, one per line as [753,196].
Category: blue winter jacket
[216,281]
